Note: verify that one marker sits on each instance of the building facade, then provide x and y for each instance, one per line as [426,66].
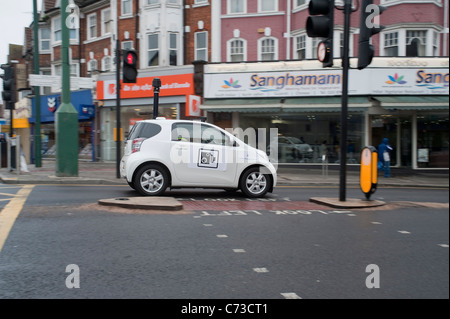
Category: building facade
[235,44]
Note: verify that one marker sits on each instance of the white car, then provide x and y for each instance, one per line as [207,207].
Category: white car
[178,153]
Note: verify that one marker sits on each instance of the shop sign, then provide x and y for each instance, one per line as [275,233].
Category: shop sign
[193,105]
[327,83]
[172,85]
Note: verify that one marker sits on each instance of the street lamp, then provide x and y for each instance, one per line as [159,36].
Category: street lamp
[156,87]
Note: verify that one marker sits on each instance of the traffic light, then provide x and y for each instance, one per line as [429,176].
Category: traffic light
[369,26]
[320,25]
[8,93]
[130,66]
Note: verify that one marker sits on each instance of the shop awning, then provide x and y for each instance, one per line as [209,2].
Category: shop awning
[301,104]
[414,102]
[325,104]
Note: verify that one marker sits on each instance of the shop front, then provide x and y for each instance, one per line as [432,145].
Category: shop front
[408,105]
[49,104]
[137,102]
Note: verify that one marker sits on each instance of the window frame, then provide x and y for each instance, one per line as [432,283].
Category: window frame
[260,48]
[157,49]
[197,49]
[260,5]
[229,6]
[230,53]
[90,27]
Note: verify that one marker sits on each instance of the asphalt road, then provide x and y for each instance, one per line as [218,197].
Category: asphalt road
[230,248]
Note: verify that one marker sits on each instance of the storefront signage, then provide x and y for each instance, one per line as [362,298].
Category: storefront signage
[172,85]
[327,83]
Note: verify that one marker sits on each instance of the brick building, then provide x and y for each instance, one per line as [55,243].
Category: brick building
[233,37]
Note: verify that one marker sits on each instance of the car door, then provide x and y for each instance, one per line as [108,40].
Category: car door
[202,155]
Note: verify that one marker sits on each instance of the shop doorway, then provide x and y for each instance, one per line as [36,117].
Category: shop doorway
[385,126]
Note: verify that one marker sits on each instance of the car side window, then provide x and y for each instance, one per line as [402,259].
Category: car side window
[211,135]
[182,132]
[145,130]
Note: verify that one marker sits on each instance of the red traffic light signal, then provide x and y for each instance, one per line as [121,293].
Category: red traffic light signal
[130,66]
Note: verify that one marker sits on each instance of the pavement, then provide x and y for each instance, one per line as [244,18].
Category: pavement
[98,173]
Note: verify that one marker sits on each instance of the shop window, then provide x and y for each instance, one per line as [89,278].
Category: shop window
[304,138]
[432,140]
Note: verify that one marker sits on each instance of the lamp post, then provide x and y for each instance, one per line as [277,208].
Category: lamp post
[118,88]
[66,120]
[156,87]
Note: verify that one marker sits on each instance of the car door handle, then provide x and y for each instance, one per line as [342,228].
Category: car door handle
[181,148]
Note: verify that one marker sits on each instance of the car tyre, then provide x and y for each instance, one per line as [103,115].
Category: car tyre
[254,183]
[151,180]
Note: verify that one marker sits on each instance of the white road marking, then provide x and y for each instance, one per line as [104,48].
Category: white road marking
[404,232]
[239,250]
[260,270]
[222,236]
[207,225]
[376,223]
[290,295]
[443,245]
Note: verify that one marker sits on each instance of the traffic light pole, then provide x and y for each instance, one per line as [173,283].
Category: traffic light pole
[37,109]
[118,153]
[344,110]
[66,120]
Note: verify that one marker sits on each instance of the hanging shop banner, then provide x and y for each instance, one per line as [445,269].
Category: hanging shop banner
[172,85]
[327,83]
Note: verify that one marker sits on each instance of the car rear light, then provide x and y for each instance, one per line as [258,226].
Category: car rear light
[136,146]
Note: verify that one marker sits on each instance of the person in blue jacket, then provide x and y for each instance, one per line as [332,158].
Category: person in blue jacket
[384,157]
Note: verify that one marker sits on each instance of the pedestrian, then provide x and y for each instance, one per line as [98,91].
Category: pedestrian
[384,157]
[324,150]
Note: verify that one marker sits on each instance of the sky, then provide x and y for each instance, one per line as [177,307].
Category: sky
[15,15]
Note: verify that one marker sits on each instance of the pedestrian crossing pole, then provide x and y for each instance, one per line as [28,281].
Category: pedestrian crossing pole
[66,120]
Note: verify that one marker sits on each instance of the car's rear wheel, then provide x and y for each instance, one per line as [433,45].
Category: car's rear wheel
[254,183]
[151,180]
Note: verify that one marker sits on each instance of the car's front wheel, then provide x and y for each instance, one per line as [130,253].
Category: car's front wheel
[254,183]
[151,180]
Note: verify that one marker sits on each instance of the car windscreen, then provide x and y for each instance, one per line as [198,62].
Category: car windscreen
[145,130]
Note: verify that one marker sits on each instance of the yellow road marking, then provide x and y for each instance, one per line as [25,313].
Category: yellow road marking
[10,212]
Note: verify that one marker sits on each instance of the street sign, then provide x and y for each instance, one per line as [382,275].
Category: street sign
[54,81]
